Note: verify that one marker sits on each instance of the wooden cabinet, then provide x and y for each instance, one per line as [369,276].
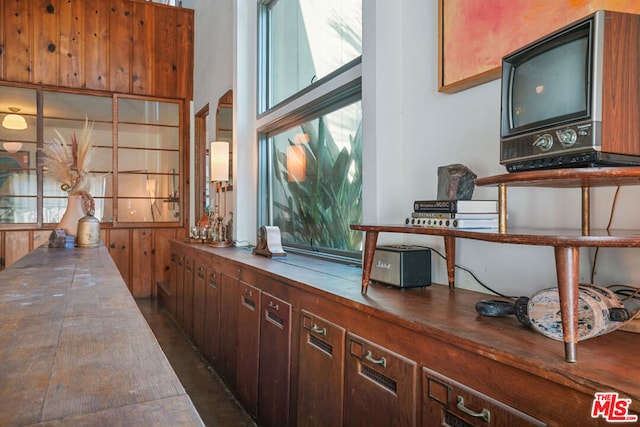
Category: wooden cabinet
[275,362]
[329,356]
[320,372]
[199,305]
[380,385]
[248,342]
[447,402]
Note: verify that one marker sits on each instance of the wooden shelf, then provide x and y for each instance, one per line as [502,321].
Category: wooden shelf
[566,243]
[567,178]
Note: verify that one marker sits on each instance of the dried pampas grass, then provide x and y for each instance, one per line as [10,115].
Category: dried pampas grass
[69,163]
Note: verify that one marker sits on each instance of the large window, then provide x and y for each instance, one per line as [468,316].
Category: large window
[310,120]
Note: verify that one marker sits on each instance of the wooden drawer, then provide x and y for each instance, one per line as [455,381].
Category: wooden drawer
[449,403]
[380,386]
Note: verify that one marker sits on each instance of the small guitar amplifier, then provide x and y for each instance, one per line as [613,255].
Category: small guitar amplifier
[402,266]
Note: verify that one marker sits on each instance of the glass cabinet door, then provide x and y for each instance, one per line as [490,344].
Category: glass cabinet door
[18,160]
[148,160]
[133,171]
[64,116]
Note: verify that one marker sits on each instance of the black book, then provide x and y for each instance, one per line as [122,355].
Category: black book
[456,206]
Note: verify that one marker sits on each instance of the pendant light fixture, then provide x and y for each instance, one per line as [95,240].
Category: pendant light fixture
[14,121]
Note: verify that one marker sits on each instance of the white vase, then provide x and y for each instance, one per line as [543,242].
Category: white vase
[69,221]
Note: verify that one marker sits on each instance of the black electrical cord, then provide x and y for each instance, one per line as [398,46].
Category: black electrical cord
[595,255]
[480,282]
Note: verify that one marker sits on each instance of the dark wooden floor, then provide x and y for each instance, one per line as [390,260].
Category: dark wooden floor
[214,402]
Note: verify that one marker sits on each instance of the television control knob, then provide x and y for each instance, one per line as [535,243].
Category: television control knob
[567,137]
[544,142]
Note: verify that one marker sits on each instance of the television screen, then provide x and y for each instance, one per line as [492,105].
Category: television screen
[550,85]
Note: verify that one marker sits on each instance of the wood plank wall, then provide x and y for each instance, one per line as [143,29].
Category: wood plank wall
[122,46]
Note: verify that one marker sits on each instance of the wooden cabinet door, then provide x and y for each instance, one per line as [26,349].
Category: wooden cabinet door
[228,324]
[16,245]
[180,289]
[162,253]
[170,303]
[320,372]
[199,288]
[142,268]
[275,362]
[212,319]
[380,386]
[248,339]
[120,251]
[447,402]
[189,268]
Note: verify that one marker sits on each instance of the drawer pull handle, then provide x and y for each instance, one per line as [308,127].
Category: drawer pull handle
[382,361]
[317,330]
[274,306]
[484,415]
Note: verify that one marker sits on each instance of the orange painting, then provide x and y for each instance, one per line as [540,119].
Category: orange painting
[475,35]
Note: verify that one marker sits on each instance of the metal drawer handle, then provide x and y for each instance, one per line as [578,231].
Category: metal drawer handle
[484,415]
[273,306]
[317,330]
[382,361]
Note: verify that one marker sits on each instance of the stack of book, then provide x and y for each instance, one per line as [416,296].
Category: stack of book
[454,213]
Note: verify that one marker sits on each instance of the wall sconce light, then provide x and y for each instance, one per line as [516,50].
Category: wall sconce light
[301,138]
[296,163]
[219,171]
[14,121]
[12,147]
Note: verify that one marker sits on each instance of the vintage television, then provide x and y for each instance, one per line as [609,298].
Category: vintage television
[572,98]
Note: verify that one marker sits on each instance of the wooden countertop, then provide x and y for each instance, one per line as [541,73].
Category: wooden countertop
[74,347]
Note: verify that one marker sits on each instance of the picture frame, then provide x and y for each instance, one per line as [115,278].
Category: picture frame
[473,36]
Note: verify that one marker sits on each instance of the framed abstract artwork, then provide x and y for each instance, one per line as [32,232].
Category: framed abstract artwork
[475,35]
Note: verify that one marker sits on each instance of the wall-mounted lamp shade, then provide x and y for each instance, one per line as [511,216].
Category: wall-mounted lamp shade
[296,163]
[301,138]
[219,154]
[14,122]
[12,147]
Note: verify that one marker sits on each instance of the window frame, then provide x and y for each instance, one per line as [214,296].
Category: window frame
[338,89]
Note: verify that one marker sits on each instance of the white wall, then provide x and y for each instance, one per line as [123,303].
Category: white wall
[409,130]
[213,64]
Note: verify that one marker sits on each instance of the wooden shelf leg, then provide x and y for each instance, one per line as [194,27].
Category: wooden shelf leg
[450,252]
[370,241]
[502,208]
[586,210]
[567,270]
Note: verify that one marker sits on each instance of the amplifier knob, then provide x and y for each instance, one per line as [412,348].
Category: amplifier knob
[544,142]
